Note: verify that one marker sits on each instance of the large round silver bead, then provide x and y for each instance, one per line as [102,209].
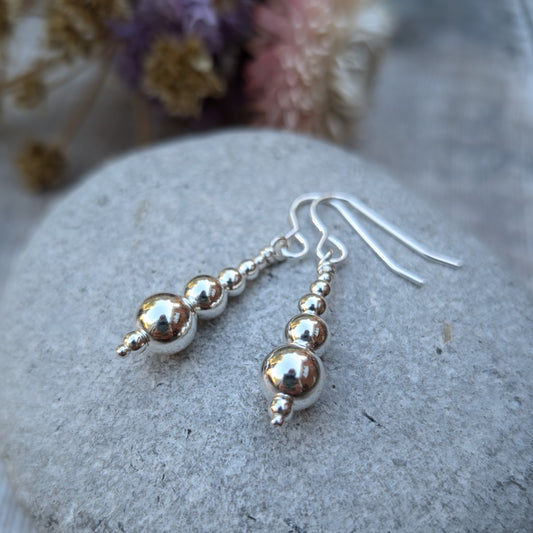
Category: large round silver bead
[207,295]
[307,331]
[169,321]
[233,281]
[294,371]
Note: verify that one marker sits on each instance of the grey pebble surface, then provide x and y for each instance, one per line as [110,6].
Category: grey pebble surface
[425,420]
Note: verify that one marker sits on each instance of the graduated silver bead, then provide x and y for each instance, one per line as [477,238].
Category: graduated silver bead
[249,269]
[325,276]
[169,321]
[295,372]
[207,295]
[260,261]
[233,281]
[307,331]
[313,304]
[136,340]
[281,409]
[322,288]
[326,267]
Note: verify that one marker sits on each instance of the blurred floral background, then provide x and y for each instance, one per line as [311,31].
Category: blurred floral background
[439,93]
[189,65]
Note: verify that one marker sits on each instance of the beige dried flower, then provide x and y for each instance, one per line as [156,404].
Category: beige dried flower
[41,165]
[180,74]
[76,27]
[30,91]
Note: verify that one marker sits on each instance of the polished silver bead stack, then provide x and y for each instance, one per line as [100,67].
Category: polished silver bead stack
[293,374]
[167,322]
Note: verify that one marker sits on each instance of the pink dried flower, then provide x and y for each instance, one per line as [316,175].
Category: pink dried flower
[313,63]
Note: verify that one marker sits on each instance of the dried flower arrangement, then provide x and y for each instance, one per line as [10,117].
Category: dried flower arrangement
[305,65]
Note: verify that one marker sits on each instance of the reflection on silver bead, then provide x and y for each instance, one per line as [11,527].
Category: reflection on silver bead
[169,321]
[249,269]
[325,276]
[322,288]
[207,295]
[307,331]
[233,281]
[294,371]
[312,303]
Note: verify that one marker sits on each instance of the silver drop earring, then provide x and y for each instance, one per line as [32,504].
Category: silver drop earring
[292,375]
[166,323]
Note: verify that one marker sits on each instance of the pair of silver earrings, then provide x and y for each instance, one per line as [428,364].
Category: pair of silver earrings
[292,375]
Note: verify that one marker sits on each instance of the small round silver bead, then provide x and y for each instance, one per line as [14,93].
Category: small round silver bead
[170,322]
[326,267]
[269,254]
[325,276]
[232,280]
[280,409]
[322,288]
[122,350]
[312,303]
[207,295]
[260,261]
[136,340]
[249,269]
[307,331]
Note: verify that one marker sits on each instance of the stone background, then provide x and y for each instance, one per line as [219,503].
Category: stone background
[452,118]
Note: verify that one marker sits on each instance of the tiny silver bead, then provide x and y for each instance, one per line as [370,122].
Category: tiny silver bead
[249,269]
[322,288]
[232,280]
[135,340]
[260,261]
[270,254]
[326,267]
[122,350]
[325,276]
[312,304]
[281,409]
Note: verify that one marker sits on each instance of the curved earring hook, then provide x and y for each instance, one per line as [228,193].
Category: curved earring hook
[338,201]
[294,233]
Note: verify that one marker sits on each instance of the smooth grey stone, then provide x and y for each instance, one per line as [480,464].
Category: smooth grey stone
[425,420]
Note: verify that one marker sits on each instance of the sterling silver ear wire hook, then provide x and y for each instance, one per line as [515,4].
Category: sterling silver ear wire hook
[293,374]
[340,201]
[295,233]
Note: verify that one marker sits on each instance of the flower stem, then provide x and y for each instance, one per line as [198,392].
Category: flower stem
[85,105]
[40,66]
[142,119]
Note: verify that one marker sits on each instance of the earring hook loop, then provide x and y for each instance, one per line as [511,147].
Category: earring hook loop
[294,234]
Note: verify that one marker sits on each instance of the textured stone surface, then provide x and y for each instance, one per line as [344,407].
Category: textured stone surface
[424,423]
